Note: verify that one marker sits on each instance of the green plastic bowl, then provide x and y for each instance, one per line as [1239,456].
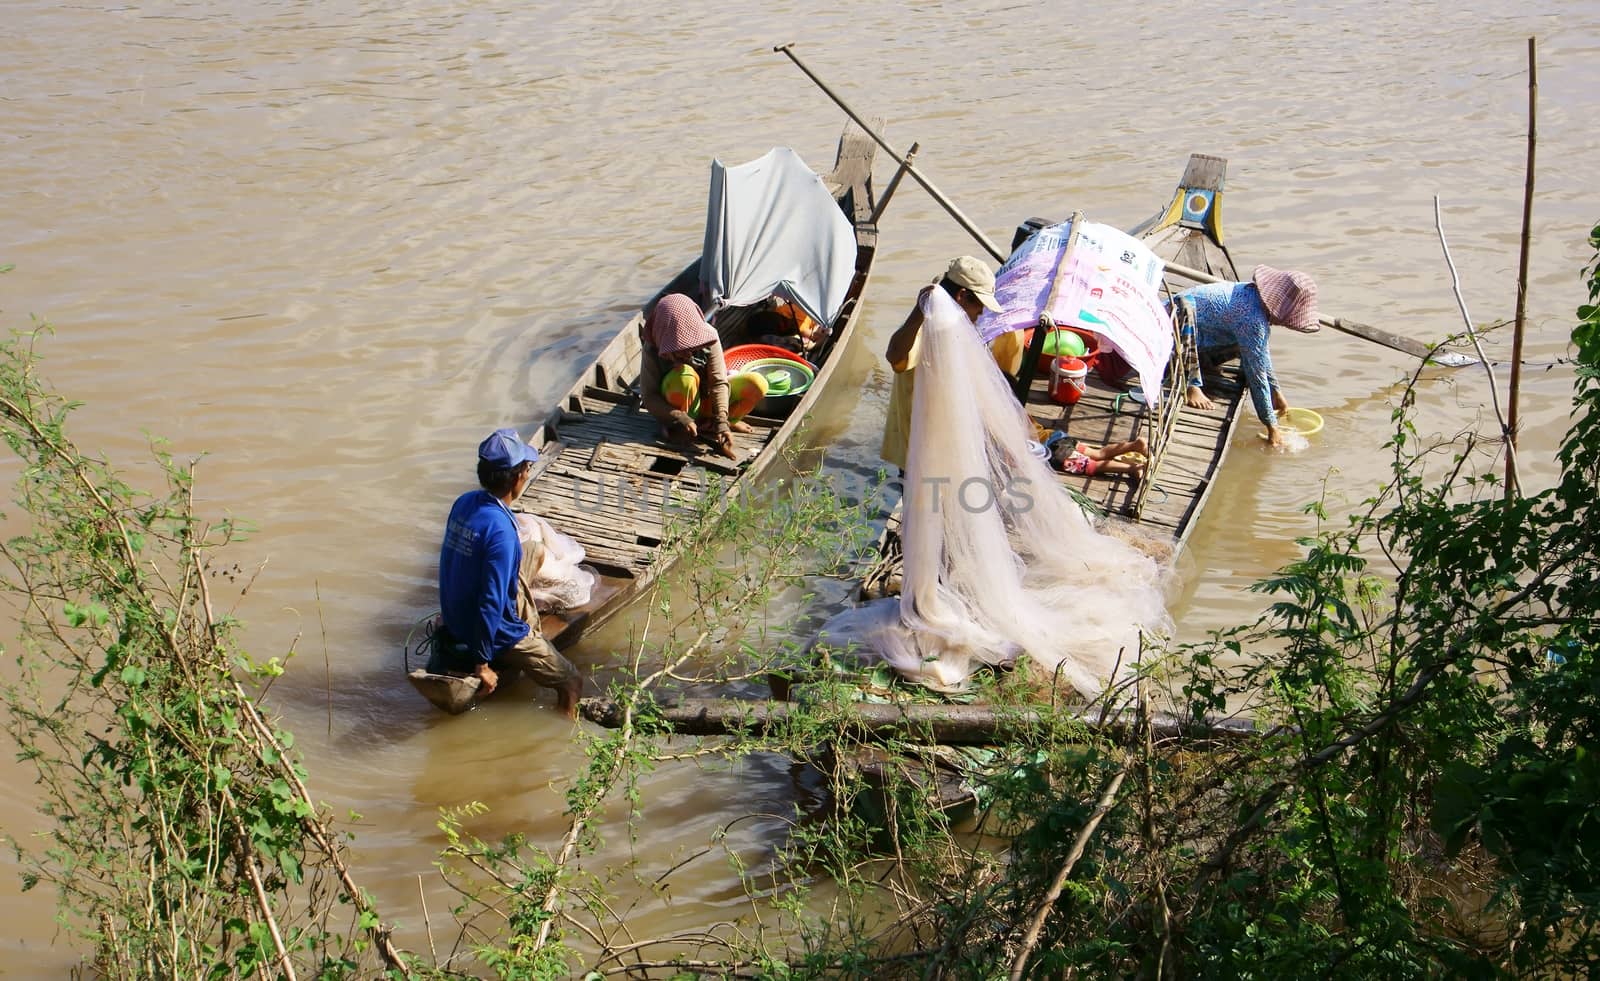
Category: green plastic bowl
[786,382]
[1064,344]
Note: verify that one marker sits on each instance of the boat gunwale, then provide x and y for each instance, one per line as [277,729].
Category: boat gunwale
[851,184]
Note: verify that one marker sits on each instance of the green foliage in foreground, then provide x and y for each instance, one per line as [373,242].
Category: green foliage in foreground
[182,840]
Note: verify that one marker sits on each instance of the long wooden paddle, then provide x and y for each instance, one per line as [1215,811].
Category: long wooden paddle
[1406,345]
[904,162]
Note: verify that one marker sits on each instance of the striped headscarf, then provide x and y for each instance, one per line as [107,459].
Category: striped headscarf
[1290,298]
[677,325]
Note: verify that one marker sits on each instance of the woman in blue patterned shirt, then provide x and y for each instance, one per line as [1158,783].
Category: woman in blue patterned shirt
[1233,320]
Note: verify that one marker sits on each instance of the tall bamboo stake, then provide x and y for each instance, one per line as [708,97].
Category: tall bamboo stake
[1522,267]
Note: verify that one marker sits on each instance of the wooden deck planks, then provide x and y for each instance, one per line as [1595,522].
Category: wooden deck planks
[1099,418]
[613,480]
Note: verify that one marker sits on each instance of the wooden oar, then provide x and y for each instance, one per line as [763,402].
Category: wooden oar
[1406,345]
[904,162]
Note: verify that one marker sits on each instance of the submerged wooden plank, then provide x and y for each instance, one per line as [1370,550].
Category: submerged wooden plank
[951,725]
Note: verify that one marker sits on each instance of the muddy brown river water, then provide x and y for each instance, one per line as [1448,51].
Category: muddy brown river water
[330,245]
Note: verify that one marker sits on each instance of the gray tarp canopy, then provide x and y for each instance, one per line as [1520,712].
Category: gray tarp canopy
[771,223]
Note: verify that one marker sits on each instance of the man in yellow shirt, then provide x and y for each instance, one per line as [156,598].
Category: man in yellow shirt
[970,283]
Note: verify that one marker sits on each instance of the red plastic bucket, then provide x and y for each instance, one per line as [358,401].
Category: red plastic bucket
[1067,376]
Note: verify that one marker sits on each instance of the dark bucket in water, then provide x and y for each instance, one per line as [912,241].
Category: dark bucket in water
[453,691]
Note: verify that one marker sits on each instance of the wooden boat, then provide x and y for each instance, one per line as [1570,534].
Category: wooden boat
[605,477]
[1187,449]
[1187,445]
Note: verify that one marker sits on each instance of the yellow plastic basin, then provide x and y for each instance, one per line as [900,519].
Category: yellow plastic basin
[1303,421]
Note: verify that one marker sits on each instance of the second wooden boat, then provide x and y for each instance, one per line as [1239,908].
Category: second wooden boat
[607,479]
[1187,448]
[1187,445]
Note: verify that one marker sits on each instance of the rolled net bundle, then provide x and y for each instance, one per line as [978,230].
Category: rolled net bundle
[1000,560]
[560,581]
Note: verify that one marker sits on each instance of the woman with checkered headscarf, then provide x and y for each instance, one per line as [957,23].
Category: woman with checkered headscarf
[1232,320]
[683,377]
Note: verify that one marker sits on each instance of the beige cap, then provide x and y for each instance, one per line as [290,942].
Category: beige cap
[975,276]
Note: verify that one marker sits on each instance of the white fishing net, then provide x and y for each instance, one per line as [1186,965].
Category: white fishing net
[999,559]
[559,581]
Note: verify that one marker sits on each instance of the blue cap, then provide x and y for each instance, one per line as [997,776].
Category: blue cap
[505,450]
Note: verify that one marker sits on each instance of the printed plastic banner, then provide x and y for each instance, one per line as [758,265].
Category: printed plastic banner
[1111,287]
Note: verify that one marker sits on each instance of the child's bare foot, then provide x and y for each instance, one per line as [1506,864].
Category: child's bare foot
[1141,447]
[740,426]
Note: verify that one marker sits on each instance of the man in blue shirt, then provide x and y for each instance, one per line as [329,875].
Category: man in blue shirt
[479,585]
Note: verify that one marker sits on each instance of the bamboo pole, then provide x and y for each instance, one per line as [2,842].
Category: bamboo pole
[427,921]
[927,185]
[1367,332]
[1171,407]
[1406,345]
[1522,272]
[1488,369]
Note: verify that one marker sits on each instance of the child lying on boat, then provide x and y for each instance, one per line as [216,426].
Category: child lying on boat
[1069,456]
